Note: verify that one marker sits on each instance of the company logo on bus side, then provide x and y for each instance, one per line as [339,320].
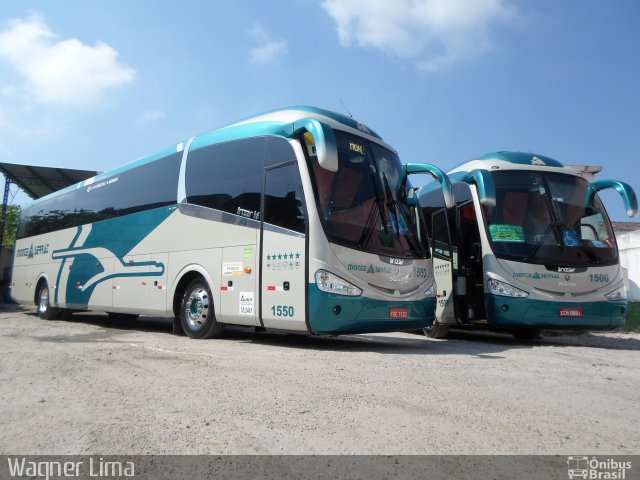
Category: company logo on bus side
[33,252]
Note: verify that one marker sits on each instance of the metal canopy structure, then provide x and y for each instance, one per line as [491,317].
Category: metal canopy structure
[38,182]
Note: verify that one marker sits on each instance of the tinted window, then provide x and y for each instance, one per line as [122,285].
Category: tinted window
[440,229]
[278,151]
[142,188]
[227,176]
[363,204]
[283,202]
[543,218]
[47,216]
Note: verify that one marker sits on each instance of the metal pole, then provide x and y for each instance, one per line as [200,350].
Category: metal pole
[3,215]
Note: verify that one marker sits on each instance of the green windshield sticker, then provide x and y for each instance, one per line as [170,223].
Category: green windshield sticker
[506,233]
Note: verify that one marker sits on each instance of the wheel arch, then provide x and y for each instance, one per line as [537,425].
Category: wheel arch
[42,278]
[184,277]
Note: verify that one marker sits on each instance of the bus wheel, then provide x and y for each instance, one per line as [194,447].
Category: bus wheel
[44,308]
[196,311]
[437,330]
[528,334]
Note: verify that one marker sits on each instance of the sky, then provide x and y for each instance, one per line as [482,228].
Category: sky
[95,84]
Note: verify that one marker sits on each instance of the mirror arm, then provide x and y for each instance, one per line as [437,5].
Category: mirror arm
[486,187]
[324,138]
[437,174]
[624,189]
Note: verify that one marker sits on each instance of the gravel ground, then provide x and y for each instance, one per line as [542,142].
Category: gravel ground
[88,385]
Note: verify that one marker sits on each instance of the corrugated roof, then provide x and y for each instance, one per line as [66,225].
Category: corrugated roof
[38,181]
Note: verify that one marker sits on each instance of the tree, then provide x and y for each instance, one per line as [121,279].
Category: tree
[11,226]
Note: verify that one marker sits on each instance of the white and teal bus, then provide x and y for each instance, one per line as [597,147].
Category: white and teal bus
[527,246]
[299,219]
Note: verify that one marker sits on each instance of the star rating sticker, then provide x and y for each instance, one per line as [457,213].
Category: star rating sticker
[297,255]
[268,257]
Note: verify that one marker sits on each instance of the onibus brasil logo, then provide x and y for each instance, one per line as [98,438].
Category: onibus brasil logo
[595,468]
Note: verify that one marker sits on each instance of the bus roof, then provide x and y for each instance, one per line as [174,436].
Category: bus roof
[508,160]
[273,122]
[522,161]
[504,160]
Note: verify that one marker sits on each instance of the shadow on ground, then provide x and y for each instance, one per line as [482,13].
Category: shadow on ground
[482,344]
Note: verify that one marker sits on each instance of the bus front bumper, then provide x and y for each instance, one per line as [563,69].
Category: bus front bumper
[522,312]
[339,314]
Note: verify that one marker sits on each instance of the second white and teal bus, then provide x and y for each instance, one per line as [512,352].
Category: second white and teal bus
[527,246]
[299,219]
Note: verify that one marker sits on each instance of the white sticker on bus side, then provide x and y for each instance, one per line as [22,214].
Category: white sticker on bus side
[232,268]
[246,303]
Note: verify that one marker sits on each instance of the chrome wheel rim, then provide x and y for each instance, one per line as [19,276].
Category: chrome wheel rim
[43,304]
[196,309]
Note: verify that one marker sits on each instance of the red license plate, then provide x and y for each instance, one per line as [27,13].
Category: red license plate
[398,312]
[570,312]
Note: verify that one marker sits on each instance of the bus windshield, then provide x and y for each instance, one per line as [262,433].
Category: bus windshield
[543,218]
[363,204]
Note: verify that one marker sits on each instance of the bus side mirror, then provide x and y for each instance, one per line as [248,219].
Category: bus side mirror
[486,187]
[625,191]
[439,175]
[324,139]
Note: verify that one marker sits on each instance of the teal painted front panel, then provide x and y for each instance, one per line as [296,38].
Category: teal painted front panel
[523,312]
[361,314]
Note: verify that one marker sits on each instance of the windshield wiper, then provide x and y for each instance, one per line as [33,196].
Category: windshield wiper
[395,208]
[591,253]
[392,203]
[538,244]
[368,225]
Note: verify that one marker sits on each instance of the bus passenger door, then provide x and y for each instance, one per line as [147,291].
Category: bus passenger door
[283,249]
[442,267]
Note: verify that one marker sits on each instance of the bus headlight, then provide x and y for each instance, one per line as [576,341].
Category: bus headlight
[617,294]
[496,287]
[330,283]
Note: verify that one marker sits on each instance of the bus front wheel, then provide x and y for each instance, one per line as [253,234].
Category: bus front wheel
[197,313]
[44,308]
[437,330]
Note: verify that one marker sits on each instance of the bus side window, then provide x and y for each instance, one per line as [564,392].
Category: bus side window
[227,176]
[435,217]
[148,186]
[48,216]
[440,234]
[283,201]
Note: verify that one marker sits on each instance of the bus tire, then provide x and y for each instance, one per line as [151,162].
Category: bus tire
[197,315]
[437,331]
[527,334]
[43,307]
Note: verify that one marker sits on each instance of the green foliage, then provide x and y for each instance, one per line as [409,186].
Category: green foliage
[11,226]
[633,316]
